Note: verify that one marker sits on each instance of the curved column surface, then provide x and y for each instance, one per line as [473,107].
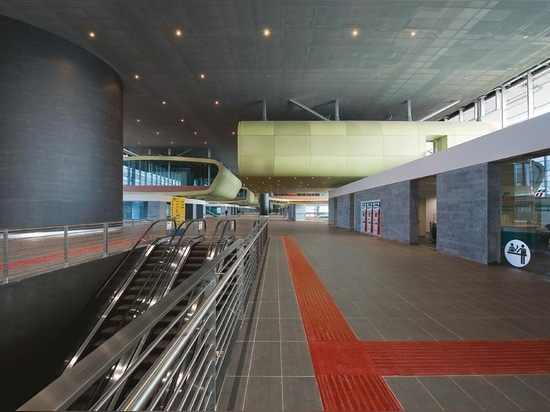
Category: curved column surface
[60,131]
[264,204]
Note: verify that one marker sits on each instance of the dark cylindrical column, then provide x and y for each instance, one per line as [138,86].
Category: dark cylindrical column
[60,131]
[264,204]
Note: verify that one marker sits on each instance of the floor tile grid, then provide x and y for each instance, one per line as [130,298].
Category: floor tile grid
[289,385]
[300,391]
[371,332]
[443,315]
[504,398]
[346,378]
[262,346]
[236,385]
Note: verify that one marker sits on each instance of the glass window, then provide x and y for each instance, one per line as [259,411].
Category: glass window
[525,212]
[541,85]
[167,173]
[469,114]
[516,97]
[490,104]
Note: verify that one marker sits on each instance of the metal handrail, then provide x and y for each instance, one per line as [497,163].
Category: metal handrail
[169,264]
[27,252]
[125,282]
[219,236]
[207,289]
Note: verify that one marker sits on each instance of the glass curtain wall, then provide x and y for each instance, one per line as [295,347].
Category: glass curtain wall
[525,97]
[525,213]
[167,173]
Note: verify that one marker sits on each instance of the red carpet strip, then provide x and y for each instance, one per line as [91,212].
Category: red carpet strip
[460,357]
[345,374]
[48,258]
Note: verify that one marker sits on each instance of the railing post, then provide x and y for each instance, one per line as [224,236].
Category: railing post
[66,245]
[241,283]
[212,280]
[5,256]
[105,239]
[211,358]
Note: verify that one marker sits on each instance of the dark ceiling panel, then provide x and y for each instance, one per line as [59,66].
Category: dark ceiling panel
[460,50]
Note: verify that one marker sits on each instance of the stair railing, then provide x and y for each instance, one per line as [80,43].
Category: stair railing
[187,375]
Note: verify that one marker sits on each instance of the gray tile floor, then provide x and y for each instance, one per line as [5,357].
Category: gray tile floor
[271,368]
[386,291]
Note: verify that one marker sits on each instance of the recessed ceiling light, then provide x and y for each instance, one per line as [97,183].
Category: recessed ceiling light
[182,120]
[172,142]
[202,76]
[413,33]
[205,142]
[136,76]
[355,33]
[164,102]
[194,132]
[267,32]
[178,32]
[217,102]
[138,120]
[158,132]
[91,34]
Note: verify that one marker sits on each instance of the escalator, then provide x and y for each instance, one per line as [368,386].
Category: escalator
[163,266]
[124,306]
[175,355]
[200,253]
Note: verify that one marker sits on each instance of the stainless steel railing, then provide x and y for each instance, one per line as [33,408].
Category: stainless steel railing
[194,345]
[31,251]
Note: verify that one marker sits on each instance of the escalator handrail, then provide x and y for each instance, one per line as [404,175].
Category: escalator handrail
[169,255]
[120,289]
[115,296]
[170,269]
[178,268]
[65,390]
[75,381]
[135,400]
[142,237]
[124,365]
[169,272]
[219,234]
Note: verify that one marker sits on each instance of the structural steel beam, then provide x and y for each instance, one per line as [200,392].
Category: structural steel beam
[307,109]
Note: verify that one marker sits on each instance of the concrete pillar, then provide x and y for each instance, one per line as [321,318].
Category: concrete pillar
[264,204]
[60,132]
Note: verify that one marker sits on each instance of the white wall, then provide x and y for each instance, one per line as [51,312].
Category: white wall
[431,210]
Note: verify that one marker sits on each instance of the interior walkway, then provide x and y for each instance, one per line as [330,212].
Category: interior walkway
[387,327]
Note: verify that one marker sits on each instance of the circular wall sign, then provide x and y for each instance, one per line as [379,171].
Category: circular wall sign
[517,253]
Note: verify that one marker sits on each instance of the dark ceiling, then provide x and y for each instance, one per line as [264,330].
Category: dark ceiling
[428,52]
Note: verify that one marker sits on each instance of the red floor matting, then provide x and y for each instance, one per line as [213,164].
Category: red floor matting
[460,357]
[349,372]
[58,256]
[345,375]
